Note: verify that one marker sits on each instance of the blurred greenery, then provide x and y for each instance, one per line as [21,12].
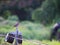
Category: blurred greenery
[29,30]
[6,14]
[32,42]
[41,16]
[47,13]
[49,9]
[13,18]
[52,43]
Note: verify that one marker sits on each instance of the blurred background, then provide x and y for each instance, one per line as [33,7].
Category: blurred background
[36,18]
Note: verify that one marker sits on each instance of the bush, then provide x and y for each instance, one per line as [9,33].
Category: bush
[13,18]
[29,30]
[34,31]
[6,14]
[46,14]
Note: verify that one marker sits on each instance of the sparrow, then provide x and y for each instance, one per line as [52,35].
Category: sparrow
[16,24]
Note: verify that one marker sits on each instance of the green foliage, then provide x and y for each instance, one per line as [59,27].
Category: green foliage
[34,31]
[57,18]
[13,18]
[6,14]
[59,31]
[29,30]
[46,13]
[5,29]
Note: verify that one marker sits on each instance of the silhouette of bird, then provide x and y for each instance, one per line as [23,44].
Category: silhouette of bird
[16,24]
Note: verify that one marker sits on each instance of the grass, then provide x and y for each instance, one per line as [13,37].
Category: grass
[54,42]
[32,31]
[25,42]
[32,42]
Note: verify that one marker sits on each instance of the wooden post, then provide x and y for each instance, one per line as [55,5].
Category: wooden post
[16,42]
[16,25]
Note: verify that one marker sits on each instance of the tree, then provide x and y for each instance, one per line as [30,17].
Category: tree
[17,6]
[48,12]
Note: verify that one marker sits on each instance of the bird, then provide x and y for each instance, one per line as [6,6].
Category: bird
[16,24]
